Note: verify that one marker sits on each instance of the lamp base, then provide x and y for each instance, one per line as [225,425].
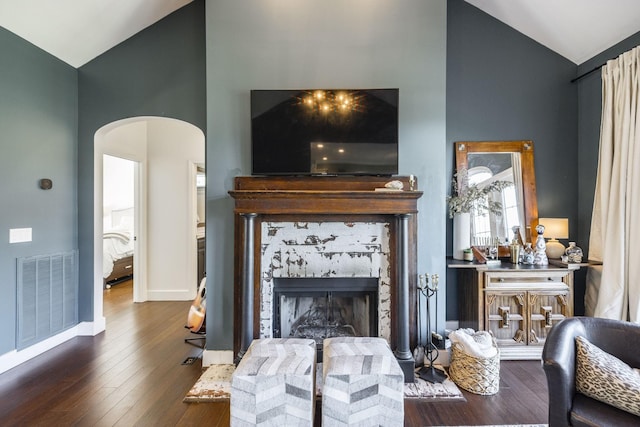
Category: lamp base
[555,249]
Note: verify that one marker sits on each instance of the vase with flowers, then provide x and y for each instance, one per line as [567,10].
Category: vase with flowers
[467,198]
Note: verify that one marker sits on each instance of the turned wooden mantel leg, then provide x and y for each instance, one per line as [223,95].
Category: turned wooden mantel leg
[246,335]
[403,351]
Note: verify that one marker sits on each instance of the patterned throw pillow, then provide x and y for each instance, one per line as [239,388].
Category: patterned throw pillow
[606,378]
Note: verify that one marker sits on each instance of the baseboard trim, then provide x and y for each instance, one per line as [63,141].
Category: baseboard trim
[91,329]
[169,295]
[14,358]
[444,358]
[217,357]
[529,352]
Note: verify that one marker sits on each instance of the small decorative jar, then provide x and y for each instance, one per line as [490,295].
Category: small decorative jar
[528,255]
[573,253]
[516,235]
[540,252]
[514,250]
[467,254]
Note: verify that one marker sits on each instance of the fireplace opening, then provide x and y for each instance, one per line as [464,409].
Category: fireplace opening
[319,308]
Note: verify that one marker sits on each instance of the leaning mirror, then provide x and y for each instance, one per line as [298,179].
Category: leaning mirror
[486,162]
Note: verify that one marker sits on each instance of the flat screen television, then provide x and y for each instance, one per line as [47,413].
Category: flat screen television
[324,132]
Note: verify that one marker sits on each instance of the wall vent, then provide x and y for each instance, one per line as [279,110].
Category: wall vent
[47,296]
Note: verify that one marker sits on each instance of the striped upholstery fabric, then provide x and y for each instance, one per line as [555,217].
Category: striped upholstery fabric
[274,384]
[363,383]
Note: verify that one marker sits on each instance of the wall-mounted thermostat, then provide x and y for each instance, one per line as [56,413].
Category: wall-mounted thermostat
[46,184]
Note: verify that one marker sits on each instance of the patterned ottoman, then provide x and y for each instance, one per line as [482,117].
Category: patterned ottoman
[363,384]
[274,384]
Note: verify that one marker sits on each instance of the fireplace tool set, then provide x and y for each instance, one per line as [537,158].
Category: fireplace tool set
[429,373]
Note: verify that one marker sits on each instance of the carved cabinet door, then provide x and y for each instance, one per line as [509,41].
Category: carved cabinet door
[505,316]
[545,309]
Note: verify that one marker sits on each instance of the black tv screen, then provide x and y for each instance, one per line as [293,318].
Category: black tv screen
[324,132]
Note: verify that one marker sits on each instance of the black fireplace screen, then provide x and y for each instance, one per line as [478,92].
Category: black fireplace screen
[319,308]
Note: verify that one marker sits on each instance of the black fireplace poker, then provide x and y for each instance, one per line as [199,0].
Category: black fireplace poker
[430,373]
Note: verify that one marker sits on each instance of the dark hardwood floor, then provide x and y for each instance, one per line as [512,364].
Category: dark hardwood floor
[132,375]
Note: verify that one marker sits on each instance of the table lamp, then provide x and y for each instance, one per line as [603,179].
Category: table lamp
[554,229]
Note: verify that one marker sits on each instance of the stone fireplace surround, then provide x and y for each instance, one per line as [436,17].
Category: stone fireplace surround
[325,249]
[325,227]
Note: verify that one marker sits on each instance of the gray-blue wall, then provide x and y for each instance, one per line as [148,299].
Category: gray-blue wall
[502,85]
[275,44]
[499,85]
[157,72]
[38,134]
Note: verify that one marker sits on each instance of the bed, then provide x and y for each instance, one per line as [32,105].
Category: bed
[117,257]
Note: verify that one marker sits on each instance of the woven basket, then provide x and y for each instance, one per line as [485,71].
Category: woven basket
[475,374]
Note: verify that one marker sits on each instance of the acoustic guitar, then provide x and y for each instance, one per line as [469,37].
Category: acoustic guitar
[195,319]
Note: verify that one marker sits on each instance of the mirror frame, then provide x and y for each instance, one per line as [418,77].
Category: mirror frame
[525,148]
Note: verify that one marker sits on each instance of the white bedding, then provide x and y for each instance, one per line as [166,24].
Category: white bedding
[594,275]
[116,245]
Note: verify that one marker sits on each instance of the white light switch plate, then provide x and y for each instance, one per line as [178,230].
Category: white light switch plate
[19,235]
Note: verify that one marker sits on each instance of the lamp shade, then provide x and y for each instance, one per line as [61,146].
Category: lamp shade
[555,228]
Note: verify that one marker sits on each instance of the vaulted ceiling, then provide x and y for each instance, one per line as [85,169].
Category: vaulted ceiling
[576,29]
[76,31]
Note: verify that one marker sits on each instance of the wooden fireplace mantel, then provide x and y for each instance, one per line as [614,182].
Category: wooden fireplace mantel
[331,198]
[322,196]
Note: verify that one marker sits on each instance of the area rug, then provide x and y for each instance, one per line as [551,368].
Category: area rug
[215,385]
[424,390]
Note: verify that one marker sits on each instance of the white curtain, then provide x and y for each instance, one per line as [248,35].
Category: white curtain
[615,225]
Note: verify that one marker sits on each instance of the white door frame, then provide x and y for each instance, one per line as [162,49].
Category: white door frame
[192,228]
[139,223]
[128,151]
[140,230]
[140,212]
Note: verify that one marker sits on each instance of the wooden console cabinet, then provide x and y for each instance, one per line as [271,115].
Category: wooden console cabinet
[518,304]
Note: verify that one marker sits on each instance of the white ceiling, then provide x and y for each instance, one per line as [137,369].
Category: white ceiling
[576,29]
[76,31]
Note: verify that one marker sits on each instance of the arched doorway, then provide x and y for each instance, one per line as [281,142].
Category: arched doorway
[168,154]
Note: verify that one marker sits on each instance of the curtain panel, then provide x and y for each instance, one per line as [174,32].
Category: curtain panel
[615,224]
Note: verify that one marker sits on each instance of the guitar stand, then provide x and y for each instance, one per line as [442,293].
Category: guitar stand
[196,342]
[197,311]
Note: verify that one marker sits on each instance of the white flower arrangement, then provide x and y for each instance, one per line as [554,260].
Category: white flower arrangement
[467,197]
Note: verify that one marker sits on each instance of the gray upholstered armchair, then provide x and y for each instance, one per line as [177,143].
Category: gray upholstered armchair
[568,407]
